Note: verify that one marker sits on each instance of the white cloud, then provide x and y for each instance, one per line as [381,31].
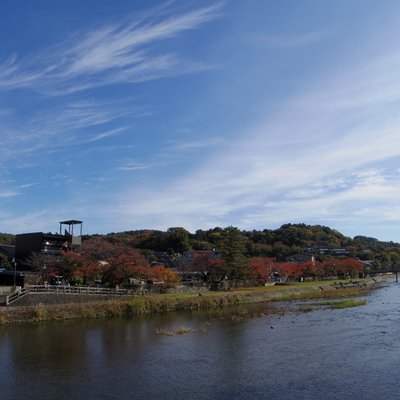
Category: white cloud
[136,166]
[119,52]
[194,145]
[4,193]
[300,40]
[106,134]
[26,185]
[318,161]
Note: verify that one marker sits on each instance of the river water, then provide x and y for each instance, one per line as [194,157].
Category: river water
[324,354]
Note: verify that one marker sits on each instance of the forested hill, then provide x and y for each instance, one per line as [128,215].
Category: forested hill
[287,240]
[280,243]
[7,238]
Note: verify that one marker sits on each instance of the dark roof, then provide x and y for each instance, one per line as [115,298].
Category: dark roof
[7,250]
[71,222]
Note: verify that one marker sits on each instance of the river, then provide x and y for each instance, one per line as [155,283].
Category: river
[325,354]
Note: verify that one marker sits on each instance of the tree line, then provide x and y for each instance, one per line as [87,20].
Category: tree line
[279,243]
[221,253]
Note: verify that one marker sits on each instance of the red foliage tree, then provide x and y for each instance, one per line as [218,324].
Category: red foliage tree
[290,270]
[261,268]
[211,267]
[342,267]
[115,262]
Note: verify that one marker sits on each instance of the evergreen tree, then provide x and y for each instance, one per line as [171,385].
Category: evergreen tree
[232,245]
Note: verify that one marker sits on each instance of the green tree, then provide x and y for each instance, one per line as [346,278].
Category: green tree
[178,240]
[394,260]
[232,245]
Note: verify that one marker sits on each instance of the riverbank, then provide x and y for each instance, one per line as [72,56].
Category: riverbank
[158,303]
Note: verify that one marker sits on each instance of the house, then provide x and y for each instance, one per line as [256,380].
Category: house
[300,258]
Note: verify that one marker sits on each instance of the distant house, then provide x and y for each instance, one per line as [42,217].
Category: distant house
[337,252]
[300,258]
[340,252]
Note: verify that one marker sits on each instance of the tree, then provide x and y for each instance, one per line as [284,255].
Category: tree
[210,266]
[117,261]
[47,264]
[261,268]
[232,245]
[289,269]
[82,266]
[281,251]
[163,274]
[178,240]
[342,267]
[394,260]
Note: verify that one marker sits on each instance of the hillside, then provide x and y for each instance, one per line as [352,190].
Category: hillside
[280,243]
[286,240]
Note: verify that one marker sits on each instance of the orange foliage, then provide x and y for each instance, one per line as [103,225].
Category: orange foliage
[165,275]
[261,268]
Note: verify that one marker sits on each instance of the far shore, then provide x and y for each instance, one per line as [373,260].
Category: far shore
[204,300]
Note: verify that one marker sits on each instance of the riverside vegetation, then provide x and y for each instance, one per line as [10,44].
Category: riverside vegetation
[159,303]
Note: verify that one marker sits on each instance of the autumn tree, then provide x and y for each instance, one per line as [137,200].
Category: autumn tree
[117,261]
[211,267]
[342,267]
[80,266]
[261,268]
[165,275]
[290,270]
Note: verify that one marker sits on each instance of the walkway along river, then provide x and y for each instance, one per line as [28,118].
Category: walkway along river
[325,354]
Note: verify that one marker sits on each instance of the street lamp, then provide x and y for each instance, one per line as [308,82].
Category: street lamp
[15,274]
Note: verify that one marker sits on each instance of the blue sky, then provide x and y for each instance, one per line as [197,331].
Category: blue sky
[132,115]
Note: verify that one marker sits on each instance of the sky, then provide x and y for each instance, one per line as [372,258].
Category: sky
[154,114]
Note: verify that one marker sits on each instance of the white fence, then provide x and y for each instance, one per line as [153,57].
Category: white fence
[55,289]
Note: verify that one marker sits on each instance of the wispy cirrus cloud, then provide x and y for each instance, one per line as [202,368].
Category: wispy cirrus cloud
[119,52]
[26,185]
[285,41]
[316,163]
[4,193]
[106,134]
[116,53]
[71,123]
[137,166]
[185,145]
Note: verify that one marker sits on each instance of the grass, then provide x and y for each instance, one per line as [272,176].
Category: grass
[159,303]
[346,303]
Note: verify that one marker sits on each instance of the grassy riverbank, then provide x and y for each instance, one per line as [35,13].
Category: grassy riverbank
[157,303]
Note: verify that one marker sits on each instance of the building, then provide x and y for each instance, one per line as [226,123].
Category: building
[300,258]
[47,243]
[337,252]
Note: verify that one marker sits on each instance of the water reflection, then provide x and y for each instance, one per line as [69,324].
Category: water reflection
[329,354]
